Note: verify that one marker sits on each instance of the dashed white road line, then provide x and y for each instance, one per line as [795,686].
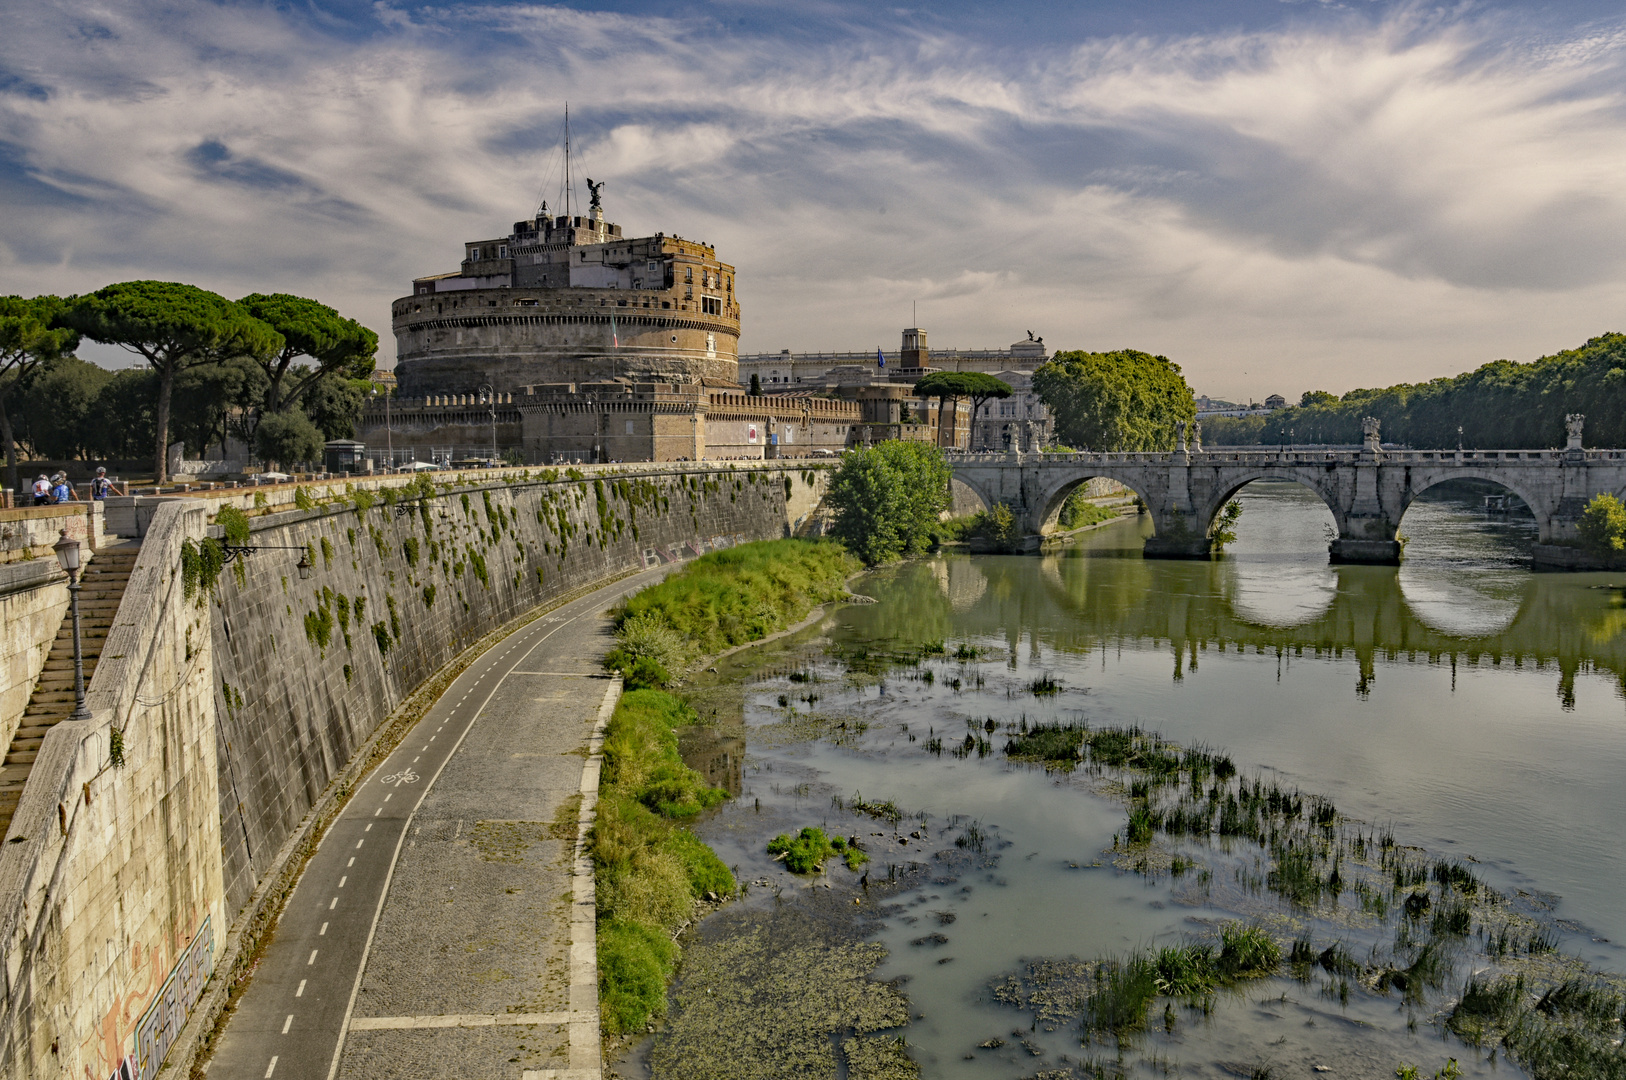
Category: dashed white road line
[288,1023]
[321,933]
[312,960]
[271,1068]
[301,991]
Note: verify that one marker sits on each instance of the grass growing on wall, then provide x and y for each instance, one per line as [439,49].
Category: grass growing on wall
[650,869]
[741,594]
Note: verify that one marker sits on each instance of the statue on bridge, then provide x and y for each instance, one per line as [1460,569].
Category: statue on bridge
[1196,437]
[1369,429]
[1180,436]
[1572,427]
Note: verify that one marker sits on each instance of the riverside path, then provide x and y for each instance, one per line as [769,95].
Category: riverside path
[431,933]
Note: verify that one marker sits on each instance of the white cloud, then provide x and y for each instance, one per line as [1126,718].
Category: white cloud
[1327,204]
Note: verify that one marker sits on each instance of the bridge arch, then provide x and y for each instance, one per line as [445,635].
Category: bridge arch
[1054,496]
[1429,480]
[1228,488]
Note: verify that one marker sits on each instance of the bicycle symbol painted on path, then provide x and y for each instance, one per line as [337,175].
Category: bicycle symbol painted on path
[405,776]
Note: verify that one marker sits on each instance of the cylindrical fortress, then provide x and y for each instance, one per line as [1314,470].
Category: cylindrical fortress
[452,342]
[568,299]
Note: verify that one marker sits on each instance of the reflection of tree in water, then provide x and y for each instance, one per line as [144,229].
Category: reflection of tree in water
[1076,604]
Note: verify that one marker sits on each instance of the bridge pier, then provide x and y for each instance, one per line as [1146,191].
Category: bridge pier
[1356,550]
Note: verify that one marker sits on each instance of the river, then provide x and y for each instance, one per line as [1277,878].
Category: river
[1469,707]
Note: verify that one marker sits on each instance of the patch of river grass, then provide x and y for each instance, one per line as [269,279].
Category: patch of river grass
[1188,808]
[650,870]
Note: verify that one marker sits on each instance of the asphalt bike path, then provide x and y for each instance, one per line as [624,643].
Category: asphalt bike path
[288,1025]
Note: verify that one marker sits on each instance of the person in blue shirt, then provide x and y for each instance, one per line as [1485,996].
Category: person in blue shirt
[61,490]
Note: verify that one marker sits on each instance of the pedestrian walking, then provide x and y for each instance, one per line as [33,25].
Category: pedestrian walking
[42,490]
[101,486]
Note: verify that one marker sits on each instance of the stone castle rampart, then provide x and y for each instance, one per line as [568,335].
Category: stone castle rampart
[132,855]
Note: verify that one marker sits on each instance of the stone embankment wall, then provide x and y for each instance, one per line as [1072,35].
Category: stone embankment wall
[124,878]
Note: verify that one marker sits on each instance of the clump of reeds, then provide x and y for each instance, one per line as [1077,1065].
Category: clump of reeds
[1045,685]
[1060,744]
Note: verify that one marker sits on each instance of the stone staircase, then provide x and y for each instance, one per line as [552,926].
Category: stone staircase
[102,586]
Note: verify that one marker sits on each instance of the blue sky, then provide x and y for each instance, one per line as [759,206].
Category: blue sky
[1280,196]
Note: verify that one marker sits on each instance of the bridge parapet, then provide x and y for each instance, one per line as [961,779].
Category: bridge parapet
[1366,490]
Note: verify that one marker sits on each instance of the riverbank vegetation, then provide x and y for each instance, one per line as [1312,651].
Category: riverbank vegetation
[887,499]
[650,870]
[1502,405]
[722,599]
[1233,840]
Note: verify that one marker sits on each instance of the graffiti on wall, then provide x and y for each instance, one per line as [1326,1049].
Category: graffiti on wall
[164,1018]
[169,999]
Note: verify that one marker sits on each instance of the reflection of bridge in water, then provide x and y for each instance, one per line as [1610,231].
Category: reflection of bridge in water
[1367,490]
[1191,609]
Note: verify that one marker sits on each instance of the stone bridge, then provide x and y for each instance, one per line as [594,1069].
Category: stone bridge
[1367,490]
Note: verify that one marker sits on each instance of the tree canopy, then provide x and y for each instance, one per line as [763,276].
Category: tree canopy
[28,338]
[887,498]
[173,327]
[1501,405]
[288,436]
[977,386]
[339,346]
[1123,400]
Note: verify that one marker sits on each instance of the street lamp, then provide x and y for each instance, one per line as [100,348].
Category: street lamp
[490,396]
[67,554]
[389,435]
[230,552]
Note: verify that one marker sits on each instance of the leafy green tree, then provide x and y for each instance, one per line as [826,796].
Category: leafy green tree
[1316,397]
[1124,400]
[950,386]
[756,385]
[1603,525]
[335,406]
[209,401]
[173,327]
[887,498]
[27,340]
[58,408]
[286,437]
[120,423]
[341,348]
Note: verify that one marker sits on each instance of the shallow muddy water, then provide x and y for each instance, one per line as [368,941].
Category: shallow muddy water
[1464,704]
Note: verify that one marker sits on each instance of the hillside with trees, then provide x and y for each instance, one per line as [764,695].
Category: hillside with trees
[1502,405]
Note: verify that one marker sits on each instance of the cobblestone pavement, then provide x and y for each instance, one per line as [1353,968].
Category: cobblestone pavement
[431,934]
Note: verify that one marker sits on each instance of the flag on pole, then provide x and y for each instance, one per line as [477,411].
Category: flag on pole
[615,338]
[880,357]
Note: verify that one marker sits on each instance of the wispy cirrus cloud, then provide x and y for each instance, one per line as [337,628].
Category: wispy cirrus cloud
[1326,202]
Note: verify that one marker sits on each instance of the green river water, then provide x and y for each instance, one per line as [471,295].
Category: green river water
[1461,703]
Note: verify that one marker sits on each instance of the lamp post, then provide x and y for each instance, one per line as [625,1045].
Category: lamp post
[389,435]
[490,397]
[67,554]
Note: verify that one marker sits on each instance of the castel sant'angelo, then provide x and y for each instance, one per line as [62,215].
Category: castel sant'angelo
[569,299]
[565,341]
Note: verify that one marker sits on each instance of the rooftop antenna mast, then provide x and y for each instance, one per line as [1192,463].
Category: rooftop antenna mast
[568,178]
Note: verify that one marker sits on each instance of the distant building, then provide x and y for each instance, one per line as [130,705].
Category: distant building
[1019,422]
[1275,401]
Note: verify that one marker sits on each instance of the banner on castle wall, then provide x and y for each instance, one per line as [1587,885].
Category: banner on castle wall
[750,433]
[161,1024]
